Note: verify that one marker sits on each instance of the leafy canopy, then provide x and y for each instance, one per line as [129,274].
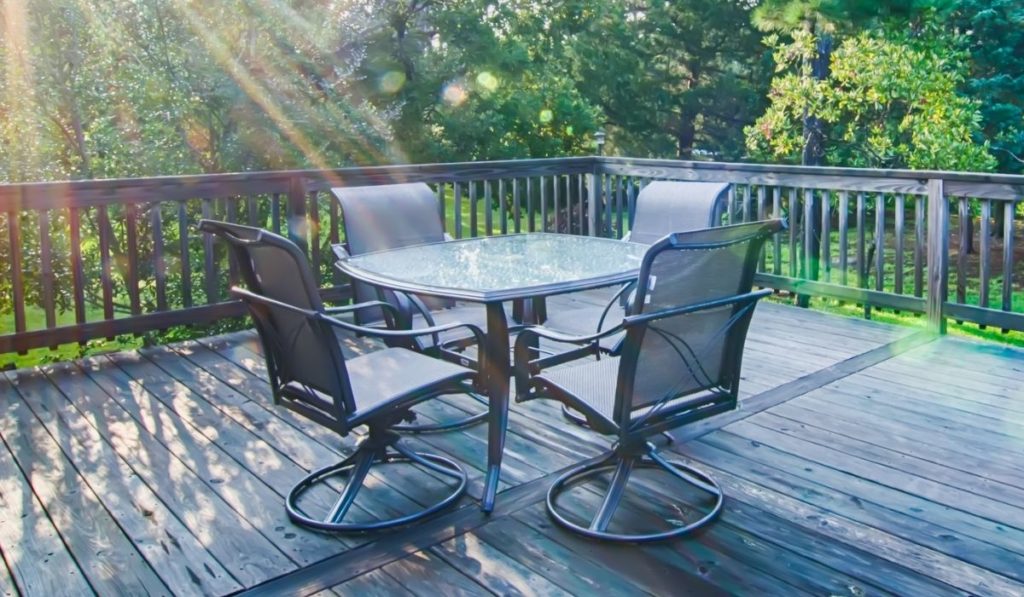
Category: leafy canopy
[890,101]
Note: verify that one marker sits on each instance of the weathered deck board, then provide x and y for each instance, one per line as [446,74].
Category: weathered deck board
[137,508]
[864,460]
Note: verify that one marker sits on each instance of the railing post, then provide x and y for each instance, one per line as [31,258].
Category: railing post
[938,255]
[593,223]
[297,225]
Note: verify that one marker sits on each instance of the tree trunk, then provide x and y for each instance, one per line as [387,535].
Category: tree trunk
[814,155]
[685,133]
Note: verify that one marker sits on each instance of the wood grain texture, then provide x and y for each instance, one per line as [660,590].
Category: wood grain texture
[865,460]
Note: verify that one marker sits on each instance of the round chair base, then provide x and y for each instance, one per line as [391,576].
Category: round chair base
[350,466]
[449,426]
[682,472]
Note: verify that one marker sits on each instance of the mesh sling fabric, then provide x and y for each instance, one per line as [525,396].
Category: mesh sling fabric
[666,206]
[689,353]
[303,352]
[384,217]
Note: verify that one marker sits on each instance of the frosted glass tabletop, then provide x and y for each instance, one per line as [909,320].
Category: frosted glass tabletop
[500,267]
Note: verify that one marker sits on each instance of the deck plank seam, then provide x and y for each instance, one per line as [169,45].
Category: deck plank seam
[805,384]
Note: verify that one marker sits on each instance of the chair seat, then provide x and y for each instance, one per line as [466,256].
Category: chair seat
[393,374]
[382,379]
[590,388]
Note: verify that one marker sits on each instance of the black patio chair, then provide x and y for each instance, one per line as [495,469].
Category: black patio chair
[679,363]
[310,375]
[662,207]
[392,216]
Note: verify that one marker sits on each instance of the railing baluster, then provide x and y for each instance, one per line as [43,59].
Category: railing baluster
[964,213]
[730,201]
[314,236]
[581,206]
[183,251]
[531,209]
[488,208]
[762,199]
[631,199]
[543,204]
[472,209]
[132,233]
[457,187]
[844,233]
[794,221]
[103,219]
[619,204]
[156,227]
[516,209]
[986,253]
[275,213]
[745,206]
[898,231]
[862,266]
[938,255]
[776,241]
[442,211]
[556,192]
[808,234]
[46,268]
[77,266]
[606,187]
[879,241]
[826,235]
[209,262]
[1008,229]
[919,246]
[502,206]
[17,285]
[253,207]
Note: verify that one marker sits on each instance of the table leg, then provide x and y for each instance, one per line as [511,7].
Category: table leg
[496,376]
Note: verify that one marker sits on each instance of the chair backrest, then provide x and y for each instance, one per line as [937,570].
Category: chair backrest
[304,359]
[667,206]
[677,355]
[391,216]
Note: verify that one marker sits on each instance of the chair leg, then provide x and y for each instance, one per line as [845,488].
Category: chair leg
[623,465]
[614,495]
[372,451]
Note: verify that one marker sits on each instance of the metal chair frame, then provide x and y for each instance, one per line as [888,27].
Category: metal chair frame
[336,408]
[632,448]
[405,307]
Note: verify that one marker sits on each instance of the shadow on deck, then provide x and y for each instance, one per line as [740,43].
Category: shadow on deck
[864,459]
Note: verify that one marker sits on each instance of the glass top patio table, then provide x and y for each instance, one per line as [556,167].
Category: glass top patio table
[492,270]
[500,268]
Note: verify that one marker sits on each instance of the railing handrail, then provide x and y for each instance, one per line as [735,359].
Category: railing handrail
[84,193]
[591,194]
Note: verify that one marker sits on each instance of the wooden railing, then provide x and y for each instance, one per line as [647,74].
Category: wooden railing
[93,259]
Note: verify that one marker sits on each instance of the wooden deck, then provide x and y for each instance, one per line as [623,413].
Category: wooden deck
[865,459]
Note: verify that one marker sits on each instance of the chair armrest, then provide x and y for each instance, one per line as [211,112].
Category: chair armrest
[645,318]
[366,305]
[525,366]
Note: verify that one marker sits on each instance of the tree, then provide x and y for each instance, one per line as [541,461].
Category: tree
[471,79]
[673,78]
[994,30]
[891,101]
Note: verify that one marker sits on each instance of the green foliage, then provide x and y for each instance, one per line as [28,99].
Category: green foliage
[890,101]
[673,78]
[995,41]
